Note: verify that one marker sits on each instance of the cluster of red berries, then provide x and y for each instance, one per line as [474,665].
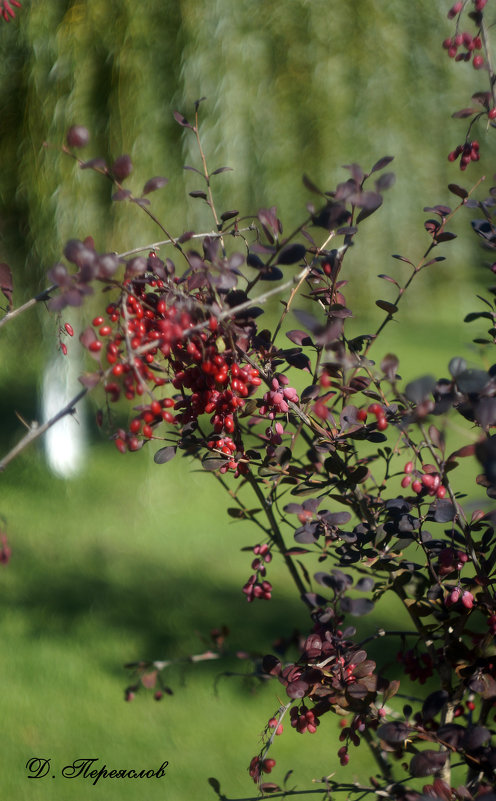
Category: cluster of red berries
[257,589]
[468,152]
[379,412]
[275,401]
[257,586]
[6,10]
[343,756]
[429,481]
[470,43]
[145,343]
[258,766]
[304,719]
[262,554]
[416,668]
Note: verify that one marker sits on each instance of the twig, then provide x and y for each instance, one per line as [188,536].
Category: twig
[37,430]
[153,245]
[43,296]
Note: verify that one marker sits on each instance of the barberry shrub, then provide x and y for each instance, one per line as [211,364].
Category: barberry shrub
[345,474]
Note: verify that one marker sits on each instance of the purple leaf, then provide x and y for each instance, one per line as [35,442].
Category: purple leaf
[427,762]
[221,169]
[94,164]
[385,181]
[379,165]
[153,184]
[299,337]
[182,120]
[121,194]
[291,254]
[165,454]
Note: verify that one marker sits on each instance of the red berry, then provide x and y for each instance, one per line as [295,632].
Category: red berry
[455,9]
[70,330]
[156,408]
[492,113]
[417,486]
[408,468]
[98,321]
[478,62]
[441,491]
[120,445]
[405,481]
[63,348]
[147,431]
[95,346]
[467,599]
[362,415]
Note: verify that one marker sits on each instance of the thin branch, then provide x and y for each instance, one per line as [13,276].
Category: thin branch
[154,245]
[37,430]
[43,296]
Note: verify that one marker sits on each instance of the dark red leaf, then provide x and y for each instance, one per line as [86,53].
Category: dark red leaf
[390,308]
[291,254]
[427,762]
[6,282]
[464,112]
[458,190]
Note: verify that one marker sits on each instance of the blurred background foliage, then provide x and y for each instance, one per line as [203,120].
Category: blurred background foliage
[292,87]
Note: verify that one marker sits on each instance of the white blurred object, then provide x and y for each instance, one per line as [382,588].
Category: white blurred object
[65,442]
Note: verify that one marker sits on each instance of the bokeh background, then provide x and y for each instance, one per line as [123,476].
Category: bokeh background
[119,559]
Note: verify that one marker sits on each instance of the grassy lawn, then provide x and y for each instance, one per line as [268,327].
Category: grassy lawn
[135,561]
